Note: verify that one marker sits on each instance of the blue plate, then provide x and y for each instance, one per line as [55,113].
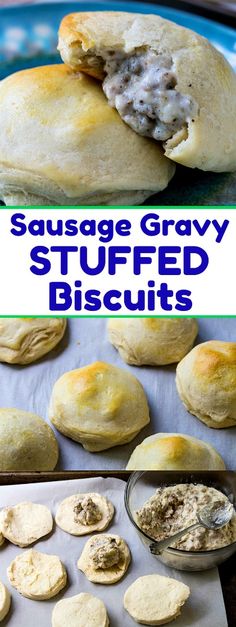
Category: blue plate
[28,37]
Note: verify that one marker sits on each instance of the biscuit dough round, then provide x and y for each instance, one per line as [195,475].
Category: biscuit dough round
[107,575]
[152,341]
[99,406]
[91,159]
[23,340]
[25,523]
[2,539]
[82,610]
[5,601]
[66,519]
[37,576]
[174,451]
[155,600]
[206,383]
[26,442]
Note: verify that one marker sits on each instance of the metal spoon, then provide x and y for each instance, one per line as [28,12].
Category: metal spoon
[213,516]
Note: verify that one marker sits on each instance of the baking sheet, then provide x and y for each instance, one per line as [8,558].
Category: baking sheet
[204,608]
[29,388]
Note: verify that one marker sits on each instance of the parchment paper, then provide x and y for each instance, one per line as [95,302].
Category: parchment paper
[29,388]
[204,608]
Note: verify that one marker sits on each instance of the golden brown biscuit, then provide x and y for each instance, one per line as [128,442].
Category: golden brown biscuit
[26,442]
[23,340]
[174,451]
[206,382]
[61,143]
[165,80]
[152,341]
[99,406]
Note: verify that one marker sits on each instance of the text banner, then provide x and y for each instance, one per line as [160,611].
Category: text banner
[118,261]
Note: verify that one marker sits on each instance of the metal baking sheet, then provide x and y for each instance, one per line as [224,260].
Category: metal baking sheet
[204,608]
[29,388]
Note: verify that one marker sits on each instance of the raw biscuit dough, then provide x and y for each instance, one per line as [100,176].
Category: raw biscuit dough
[5,601]
[82,610]
[191,89]
[64,145]
[37,576]
[99,406]
[174,451]
[69,520]
[152,341]
[206,383]
[23,340]
[155,600]
[98,548]
[26,442]
[25,523]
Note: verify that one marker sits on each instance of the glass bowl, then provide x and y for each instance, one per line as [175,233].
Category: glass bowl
[142,485]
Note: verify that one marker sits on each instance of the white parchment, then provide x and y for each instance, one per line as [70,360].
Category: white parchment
[204,608]
[29,388]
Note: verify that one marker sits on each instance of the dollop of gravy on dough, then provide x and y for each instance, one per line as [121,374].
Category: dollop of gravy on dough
[104,553]
[87,512]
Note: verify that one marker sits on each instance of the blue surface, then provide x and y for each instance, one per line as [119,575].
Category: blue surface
[28,34]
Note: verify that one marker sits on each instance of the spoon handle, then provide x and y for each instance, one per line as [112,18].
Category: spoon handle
[156,548]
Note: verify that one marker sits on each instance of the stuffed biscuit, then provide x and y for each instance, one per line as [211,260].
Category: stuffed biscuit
[61,144]
[165,81]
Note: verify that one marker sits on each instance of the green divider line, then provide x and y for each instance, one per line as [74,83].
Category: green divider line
[49,315]
[127,207]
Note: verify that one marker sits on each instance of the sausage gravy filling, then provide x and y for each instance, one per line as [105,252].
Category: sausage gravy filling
[87,512]
[104,553]
[173,508]
[143,89]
